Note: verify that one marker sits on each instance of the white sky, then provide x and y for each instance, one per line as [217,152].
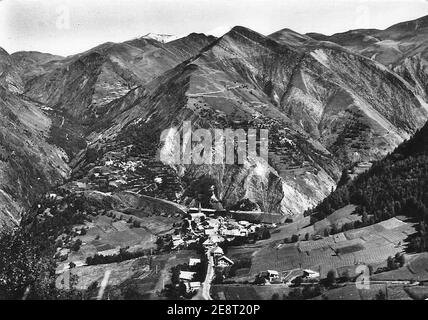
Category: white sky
[70,26]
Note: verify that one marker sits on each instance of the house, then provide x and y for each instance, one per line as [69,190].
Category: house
[214,223]
[254,228]
[309,274]
[224,262]
[230,233]
[186,275]
[198,216]
[176,237]
[194,261]
[191,241]
[217,252]
[208,244]
[177,243]
[216,238]
[243,232]
[210,232]
[244,223]
[192,286]
[269,275]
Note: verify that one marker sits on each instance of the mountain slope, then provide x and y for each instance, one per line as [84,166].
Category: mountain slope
[403,48]
[321,116]
[82,85]
[9,76]
[396,185]
[29,165]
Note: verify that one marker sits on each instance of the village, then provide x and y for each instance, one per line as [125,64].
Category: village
[210,232]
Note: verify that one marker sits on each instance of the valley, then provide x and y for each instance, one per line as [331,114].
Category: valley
[84,189]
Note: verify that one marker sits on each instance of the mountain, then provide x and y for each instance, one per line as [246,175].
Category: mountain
[30,64]
[401,47]
[80,136]
[9,76]
[396,185]
[163,38]
[325,106]
[29,164]
[82,85]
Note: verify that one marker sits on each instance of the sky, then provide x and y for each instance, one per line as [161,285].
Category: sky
[66,27]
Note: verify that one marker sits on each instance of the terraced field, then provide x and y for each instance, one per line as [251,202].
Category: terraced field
[369,245]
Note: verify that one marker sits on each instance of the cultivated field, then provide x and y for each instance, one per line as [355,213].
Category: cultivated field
[351,292]
[148,274]
[105,235]
[248,292]
[343,251]
[416,269]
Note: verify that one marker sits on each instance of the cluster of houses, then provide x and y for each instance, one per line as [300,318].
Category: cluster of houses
[274,277]
[214,230]
[187,276]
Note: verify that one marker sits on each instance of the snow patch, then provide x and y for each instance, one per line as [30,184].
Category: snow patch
[164,38]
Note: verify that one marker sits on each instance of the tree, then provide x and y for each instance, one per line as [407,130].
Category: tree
[380,295]
[370,267]
[331,278]
[400,258]
[346,275]
[326,232]
[76,245]
[295,294]
[266,234]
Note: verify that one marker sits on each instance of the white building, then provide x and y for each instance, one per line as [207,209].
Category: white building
[208,244]
[269,275]
[310,274]
[194,261]
[224,261]
[186,275]
[192,286]
[217,252]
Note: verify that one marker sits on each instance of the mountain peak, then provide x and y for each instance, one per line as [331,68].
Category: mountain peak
[3,52]
[163,38]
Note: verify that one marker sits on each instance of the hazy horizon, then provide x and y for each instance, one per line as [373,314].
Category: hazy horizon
[67,27]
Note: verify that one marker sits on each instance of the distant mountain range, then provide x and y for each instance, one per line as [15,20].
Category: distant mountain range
[329,102]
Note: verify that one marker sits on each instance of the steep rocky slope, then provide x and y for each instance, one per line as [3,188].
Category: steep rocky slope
[401,47]
[365,110]
[325,107]
[29,165]
[82,85]
[30,64]
[9,76]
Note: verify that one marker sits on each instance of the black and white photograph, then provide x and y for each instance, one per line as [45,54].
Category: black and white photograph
[210,156]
